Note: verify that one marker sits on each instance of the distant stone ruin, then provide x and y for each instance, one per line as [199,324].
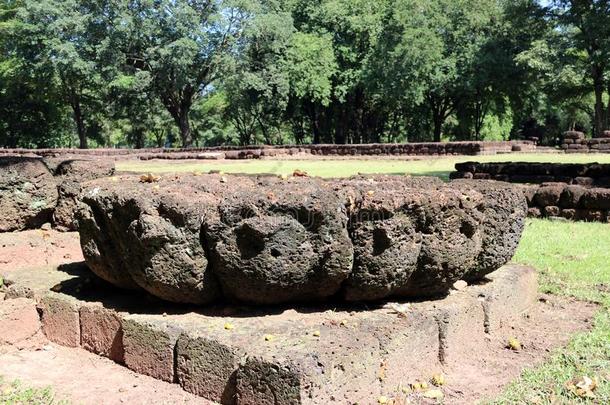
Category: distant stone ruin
[579,192]
[284,151]
[577,142]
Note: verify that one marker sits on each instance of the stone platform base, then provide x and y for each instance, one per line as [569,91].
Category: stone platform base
[235,355]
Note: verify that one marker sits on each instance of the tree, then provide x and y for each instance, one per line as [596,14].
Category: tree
[587,24]
[431,53]
[183,45]
[258,88]
[65,37]
[31,110]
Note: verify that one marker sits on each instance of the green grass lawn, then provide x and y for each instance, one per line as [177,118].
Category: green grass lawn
[14,393]
[573,259]
[340,168]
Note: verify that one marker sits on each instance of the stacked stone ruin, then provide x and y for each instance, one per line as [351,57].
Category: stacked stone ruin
[257,152]
[266,240]
[577,142]
[34,192]
[571,191]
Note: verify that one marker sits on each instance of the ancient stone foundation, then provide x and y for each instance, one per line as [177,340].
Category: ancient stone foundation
[585,174]
[36,191]
[314,355]
[571,202]
[265,151]
[266,240]
[578,192]
[577,142]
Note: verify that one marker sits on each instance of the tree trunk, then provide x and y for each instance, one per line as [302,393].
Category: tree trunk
[185,128]
[438,127]
[607,120]
[598,87]
[80,123]
[138,138]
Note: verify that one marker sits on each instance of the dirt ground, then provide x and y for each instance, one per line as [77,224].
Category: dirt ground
[38,247]
[81,377]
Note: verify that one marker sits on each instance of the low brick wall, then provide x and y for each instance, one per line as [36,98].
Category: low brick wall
[253,152]
[590,175]
[576,142]
[579,192]
[573,202]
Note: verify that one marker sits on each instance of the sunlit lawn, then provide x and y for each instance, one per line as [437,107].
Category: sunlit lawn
[573,259]
[340,168]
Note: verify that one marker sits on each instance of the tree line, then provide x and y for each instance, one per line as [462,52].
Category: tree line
[138,73]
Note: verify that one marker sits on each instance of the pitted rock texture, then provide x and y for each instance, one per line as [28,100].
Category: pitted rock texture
[69,175]
[412,236]
[504,209]
[264,240]
[281,241]
[28,193]
[145,235]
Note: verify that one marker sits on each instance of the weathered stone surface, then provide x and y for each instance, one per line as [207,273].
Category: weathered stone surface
[60,319]
[281,241]
[504,210]
[101,332]
[206,367]
[265,240]
[549,194]
[412,236]
[69,174]
[281,384]
[509,295]
[312,355]
[571,196]
[28,193]
[596,199]
[149,347]
[147,235]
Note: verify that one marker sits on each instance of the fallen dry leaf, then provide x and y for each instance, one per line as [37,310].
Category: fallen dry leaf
[299,173]
[400,309]
[433,394]
[438,379]
[514,344]
[582,387]
[229,326]
[149,178]
[381,371]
